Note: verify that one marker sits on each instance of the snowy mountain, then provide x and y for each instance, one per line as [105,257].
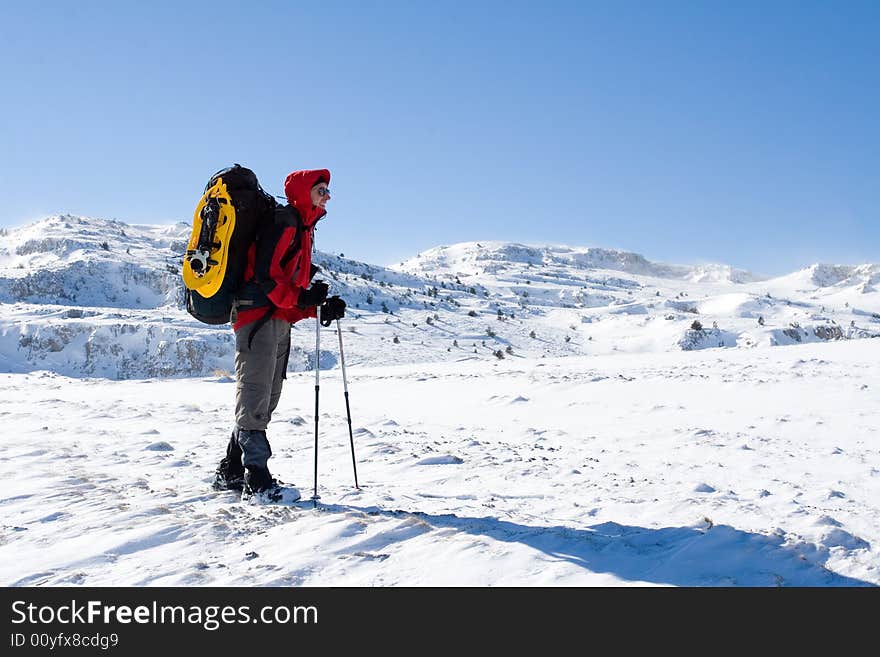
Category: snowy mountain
[94,297]
[476,258]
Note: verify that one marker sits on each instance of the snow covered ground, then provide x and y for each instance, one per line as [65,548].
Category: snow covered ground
[715,467]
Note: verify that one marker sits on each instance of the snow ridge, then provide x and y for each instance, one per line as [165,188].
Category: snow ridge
[85,296]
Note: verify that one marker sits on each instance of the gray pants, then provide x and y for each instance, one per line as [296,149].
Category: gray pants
[260,371]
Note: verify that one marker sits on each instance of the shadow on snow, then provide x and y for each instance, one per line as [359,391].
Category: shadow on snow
[679,556]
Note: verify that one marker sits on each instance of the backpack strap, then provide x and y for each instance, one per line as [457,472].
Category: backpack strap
[260,323]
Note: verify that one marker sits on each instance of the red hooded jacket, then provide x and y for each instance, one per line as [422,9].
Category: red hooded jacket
[279,264]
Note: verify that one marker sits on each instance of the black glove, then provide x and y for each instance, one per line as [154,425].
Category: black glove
[332,308]
[314,296]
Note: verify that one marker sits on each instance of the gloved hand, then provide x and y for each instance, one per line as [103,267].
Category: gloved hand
[332,308]
[314,296]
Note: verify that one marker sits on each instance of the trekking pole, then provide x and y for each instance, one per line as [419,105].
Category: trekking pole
[347,407]
[316,497]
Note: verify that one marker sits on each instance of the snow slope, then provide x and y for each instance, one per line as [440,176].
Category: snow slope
[710,468]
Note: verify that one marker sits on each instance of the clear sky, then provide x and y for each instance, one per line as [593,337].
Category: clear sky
[741,132]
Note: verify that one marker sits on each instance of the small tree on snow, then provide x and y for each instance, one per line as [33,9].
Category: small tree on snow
[696,326]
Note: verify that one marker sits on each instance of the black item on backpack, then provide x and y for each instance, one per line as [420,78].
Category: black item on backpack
[228,218]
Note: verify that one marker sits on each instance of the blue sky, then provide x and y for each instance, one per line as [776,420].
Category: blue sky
[745,133]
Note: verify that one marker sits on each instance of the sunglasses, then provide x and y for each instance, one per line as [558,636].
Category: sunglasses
[323,191]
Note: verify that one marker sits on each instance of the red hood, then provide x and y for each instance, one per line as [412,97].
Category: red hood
[298,186]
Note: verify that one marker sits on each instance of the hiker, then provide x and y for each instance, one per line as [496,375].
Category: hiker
[278,292]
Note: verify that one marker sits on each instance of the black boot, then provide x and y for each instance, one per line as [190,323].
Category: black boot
[263,488]
[230,472]
[258,480]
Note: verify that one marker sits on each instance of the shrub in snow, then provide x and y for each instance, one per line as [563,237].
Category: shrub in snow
[832,332]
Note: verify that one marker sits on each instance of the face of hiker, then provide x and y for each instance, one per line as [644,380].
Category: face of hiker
[320,195]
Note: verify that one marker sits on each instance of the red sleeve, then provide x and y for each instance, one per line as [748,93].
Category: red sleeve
[294,315]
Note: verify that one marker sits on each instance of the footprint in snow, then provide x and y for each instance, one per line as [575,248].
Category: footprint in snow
[447,459]
[161,446]
[39,452]
[52,517]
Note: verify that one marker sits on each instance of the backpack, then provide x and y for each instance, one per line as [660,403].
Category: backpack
[228,218]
